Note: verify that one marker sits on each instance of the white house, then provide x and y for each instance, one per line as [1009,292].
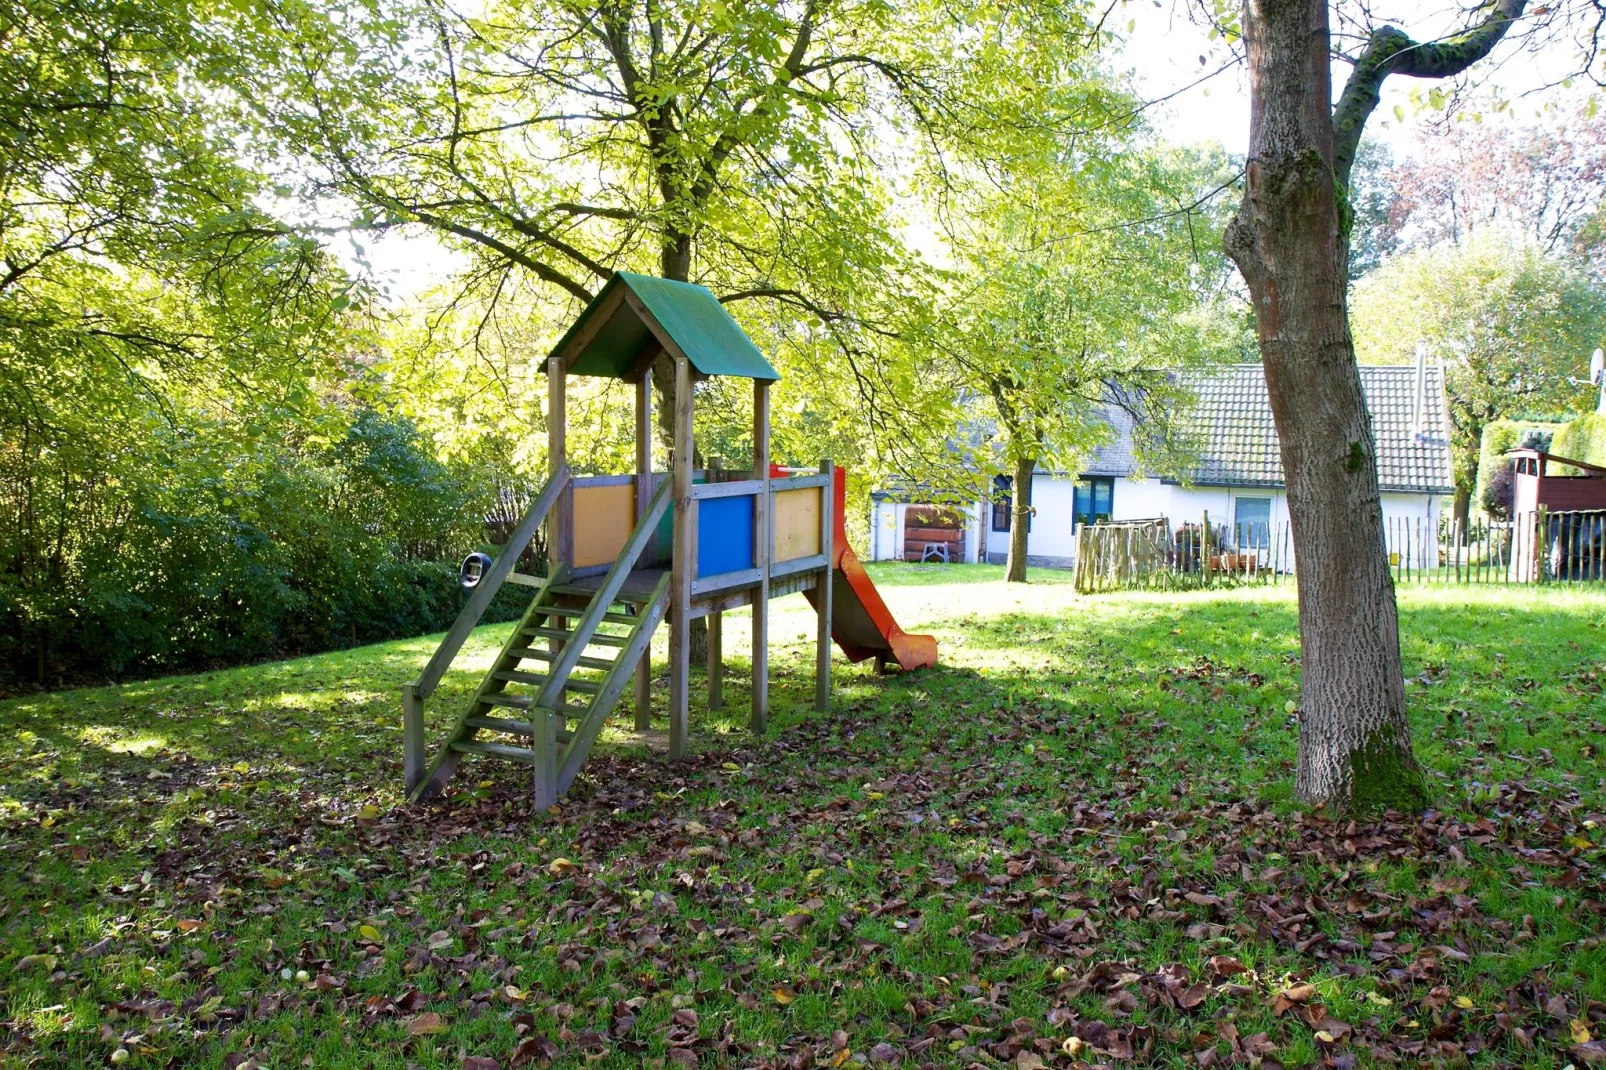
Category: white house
[1238,481]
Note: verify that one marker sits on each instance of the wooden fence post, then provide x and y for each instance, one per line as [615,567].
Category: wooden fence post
[412,735]
[1542,545]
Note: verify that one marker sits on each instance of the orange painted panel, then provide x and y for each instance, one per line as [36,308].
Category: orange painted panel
[797,524]
[603,517]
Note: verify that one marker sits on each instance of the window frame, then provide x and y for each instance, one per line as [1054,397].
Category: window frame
[1004,499]
[1091,483]
[1238,526]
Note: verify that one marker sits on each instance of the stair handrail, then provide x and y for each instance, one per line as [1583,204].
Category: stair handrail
[490,582]
[585,733]
[563,664]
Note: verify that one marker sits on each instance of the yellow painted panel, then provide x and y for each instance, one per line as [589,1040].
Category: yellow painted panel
[797,524]
[603,517]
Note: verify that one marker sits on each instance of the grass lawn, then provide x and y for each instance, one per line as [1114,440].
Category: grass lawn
[1073,843]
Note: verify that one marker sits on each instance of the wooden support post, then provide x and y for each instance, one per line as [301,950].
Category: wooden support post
[764,543]
[822,603]
[644,489]
[644,689]
[412,735]
[716,660]
[560,528]
[544,743]
[716,619]
[682,564]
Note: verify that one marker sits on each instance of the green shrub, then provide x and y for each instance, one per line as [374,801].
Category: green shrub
[1499,438]
[198,555]
[1583,439]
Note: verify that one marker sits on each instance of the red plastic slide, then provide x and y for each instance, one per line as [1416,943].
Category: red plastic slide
[861,624]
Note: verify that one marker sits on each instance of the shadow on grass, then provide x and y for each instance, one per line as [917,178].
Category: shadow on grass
[1108,738]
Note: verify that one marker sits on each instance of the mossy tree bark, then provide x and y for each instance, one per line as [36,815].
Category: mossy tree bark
[1020,519]
[1290,239]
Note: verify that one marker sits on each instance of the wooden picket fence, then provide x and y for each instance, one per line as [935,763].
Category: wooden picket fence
[1154,554]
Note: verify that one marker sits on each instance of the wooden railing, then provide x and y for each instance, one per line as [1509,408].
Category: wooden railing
[490,582]
[764,564]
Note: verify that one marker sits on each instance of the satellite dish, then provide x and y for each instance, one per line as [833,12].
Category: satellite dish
[1597,366]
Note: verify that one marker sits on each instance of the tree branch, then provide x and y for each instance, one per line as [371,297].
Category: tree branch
[1391,51]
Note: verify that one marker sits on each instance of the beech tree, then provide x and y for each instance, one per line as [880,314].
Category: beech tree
[1290,240]
[1058,324]
[1511,324]
[755,147]
[1545,183]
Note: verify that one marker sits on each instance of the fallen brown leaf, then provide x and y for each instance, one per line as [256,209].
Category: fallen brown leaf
[426,1024]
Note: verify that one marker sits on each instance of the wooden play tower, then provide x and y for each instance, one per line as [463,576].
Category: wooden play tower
[626,552]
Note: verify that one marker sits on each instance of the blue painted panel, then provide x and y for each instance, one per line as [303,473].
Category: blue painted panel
[724,535]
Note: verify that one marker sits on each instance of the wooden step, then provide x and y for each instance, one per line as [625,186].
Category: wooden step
[515,728]
[558,633]
[576,613]
[546,655]
[535,679]
[575,590]
[522,755]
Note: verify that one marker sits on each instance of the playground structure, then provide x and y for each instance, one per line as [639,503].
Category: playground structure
[625,553]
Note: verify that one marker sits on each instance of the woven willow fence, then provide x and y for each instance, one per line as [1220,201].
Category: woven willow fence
[1536,547]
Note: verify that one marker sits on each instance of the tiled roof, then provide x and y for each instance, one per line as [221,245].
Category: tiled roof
[1113,458]
[1238,444]
[1238,439]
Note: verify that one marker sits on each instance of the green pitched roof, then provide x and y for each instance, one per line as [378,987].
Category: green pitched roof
[690,316]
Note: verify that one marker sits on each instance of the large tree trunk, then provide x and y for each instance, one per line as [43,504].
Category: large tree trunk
[1019,521]
[1287,239]
[1460,510]
[1470,451]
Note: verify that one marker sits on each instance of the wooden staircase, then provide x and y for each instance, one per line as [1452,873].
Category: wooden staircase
[561,647]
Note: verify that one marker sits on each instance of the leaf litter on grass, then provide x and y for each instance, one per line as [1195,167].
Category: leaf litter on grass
[950,869]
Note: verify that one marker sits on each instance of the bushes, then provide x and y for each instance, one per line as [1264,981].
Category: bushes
[198,551]
[1499,438]
[1499,493]
[1583,439]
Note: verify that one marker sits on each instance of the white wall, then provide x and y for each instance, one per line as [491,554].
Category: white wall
[1140,499]
[1054,497]
[1051,536]
[1188,505]
[1411,527]
[886,531]
[887,523]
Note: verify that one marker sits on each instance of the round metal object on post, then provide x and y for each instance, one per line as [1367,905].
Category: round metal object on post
[472,569]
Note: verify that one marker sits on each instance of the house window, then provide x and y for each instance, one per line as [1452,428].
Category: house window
[1094,501]
[1252,522]
[1004,503]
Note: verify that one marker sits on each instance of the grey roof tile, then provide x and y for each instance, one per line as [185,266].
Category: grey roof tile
[1237,438]
[1239,444]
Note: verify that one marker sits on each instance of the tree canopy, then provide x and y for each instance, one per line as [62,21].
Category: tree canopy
[1511,323]
[769,150]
